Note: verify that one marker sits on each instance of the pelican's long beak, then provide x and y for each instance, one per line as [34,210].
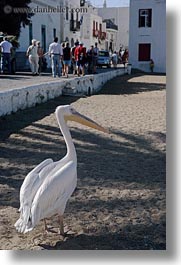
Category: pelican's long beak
[77,117]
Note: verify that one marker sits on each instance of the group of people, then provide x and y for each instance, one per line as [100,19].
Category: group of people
[63,57]
[120,57]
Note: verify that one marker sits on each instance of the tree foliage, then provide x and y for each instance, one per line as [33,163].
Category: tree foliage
[11,21]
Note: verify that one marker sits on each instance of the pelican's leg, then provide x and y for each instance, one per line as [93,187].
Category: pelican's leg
[46,227]
[61,225]
[47,230]
[64,231]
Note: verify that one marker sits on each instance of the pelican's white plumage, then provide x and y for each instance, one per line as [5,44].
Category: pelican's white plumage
[47,188]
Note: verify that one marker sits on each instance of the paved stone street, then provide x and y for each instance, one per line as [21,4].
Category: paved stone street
[120,201]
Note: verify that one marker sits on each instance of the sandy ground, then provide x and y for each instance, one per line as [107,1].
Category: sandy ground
[120,199]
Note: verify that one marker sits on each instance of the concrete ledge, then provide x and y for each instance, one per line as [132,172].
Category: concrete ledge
[25,97]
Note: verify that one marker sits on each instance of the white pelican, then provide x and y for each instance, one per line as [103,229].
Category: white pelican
[47,188]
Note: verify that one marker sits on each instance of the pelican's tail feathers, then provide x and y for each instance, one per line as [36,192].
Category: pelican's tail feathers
[20,226]
[24,222]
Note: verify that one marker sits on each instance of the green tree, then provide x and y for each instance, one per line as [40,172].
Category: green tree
[11,20]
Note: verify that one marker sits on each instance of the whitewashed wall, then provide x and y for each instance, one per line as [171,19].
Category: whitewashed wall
[121,19]
[156,35]
[26,97]
[50,20]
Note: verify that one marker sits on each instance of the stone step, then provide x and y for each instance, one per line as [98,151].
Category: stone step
[69,90]
[72,91]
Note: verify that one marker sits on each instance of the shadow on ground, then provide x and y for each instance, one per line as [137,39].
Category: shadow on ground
[13,123]
[123,86]
[130,239]
[133,158]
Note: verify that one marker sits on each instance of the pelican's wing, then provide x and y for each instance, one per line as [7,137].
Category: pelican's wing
[53,194]
[29,188]
[33,181]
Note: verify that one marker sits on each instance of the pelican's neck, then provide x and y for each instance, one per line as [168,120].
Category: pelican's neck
[71,153]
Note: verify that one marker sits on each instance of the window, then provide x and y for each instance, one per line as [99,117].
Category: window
[54,33]
[103,54]
[72,23]
[30,32]
[94,25]
[100,27]
[144,52]
[72,16]
[77,17]
[145,18]
[67,13]
[43,37]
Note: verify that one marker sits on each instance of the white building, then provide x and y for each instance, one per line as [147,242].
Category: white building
[120,17]
[70,20]
[111,36]
[60,18]
[92,28]
[44,26]
[147,34]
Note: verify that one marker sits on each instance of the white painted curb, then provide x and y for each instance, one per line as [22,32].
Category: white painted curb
[26,97]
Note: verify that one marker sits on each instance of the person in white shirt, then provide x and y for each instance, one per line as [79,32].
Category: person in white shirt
[114,59]
[56,53]
[32,54]
[6,48]
[95,57]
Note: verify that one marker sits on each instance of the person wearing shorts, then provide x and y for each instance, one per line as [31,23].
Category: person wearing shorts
[66,58]
[80,57]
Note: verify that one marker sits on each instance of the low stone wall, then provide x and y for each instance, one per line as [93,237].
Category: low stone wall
[25,97]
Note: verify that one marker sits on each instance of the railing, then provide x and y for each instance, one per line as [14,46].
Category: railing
[111,26]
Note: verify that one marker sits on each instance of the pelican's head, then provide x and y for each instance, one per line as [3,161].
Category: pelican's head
[70,114]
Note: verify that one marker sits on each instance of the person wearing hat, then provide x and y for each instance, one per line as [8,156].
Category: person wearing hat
[80,57]
[32,54]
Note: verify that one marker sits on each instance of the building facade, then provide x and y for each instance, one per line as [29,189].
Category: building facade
[70,20]
[60,18]
[44,26]
[111,36]
[120,17]
[147,38]
[92,28]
